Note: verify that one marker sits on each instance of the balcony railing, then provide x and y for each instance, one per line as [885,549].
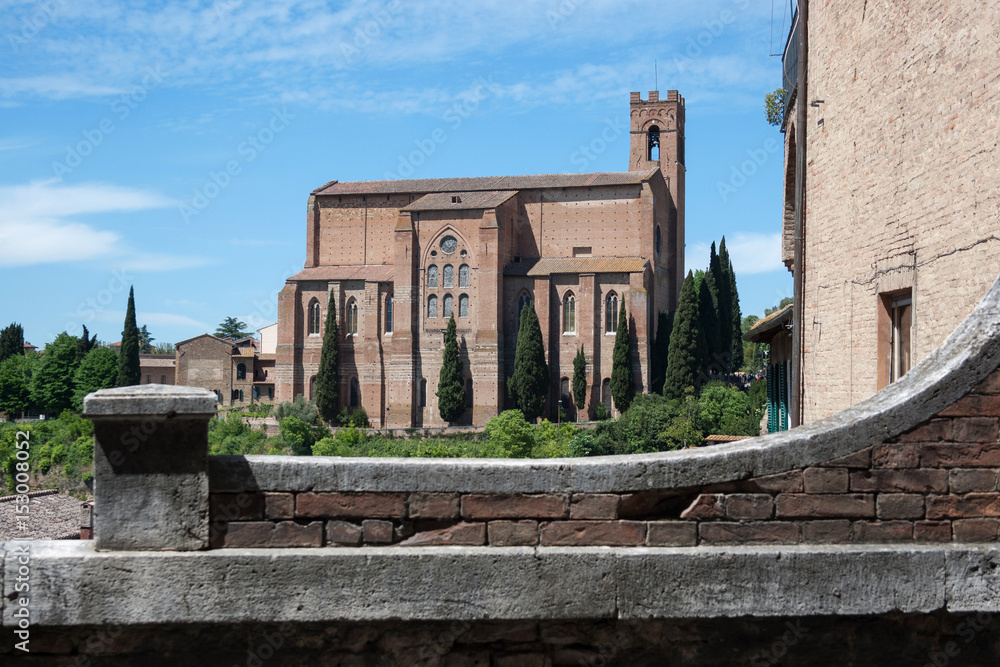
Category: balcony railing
[790,62]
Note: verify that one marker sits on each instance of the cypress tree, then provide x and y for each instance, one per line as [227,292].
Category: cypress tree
[85,345]
[661,347]
[725,310]
[711,354]
[328,375]
[579,381]
[737,323]
[451,387]
[530,383]
[622,383]
[11,341]
[128,356]
[682,359]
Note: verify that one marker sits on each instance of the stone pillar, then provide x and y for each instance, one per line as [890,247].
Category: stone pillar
[150,467]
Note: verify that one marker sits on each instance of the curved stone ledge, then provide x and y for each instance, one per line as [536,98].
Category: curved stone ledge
[72,585]
[969,354]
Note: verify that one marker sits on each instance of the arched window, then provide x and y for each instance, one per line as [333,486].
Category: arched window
[432,276]
[422,402]
[611,313]
[606,393]
[654,143]
[448,302]
[352,316]
[522,301]
[388,314]
[241,371]
[354,392]
[449,276]
[313,316]
[463,275]
[255,393]
[432,306]
[656,239]
[565,400]
[468,393]
[463,305]
[569,313]
[312,388]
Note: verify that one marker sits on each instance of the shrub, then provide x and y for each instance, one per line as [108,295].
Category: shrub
[511,434]
[585,443]
[301,408]
[601,413]
[725,410]
[681,433]
[297,435]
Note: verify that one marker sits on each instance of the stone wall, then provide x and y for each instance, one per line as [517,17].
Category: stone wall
[937,482]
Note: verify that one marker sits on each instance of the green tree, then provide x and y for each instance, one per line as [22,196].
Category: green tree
[774,106]
[580,381]
[682,359]
[725,410]
[145,341]
[52,381]
[297,435]
[735,323]
[451,385]
[708,325]
[232,329]
[128,357]
[164,348]
[328,375]
[11,341]
[787,301]
[622,381]
[727,334]
[661,348]
[511,433]
[530,383]
[15,383]
[98,370]
[85,344]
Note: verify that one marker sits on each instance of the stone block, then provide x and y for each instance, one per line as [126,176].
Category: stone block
[351,505]
[444,506]
[973,480]
[279,505]
[882,531]
[592,533]
[830,531]
[977,429]
[934,430]
[825,480]
[706,506]
[969,506]
[885,480]
[833,506]
[377,531]
[539,506]
[932,531]
[896,455]
[899,506]
[862,459]
[974,405]
[975,530]
[343,533]
[271,534]
[236,507]
[748,506]
[513,533]
[464,534]
[594,506]
[954,455]
[671,534]
[760,532]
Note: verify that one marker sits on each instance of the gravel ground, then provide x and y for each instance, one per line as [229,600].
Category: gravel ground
[52,517]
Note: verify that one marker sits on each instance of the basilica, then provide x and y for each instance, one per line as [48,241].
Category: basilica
[401,257]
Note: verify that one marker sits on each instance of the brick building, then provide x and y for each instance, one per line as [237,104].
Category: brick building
[400,257]
[238,372]
[891,130]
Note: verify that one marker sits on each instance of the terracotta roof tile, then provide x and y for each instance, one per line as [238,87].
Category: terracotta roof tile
[446,201]
[470,184]
[372,273]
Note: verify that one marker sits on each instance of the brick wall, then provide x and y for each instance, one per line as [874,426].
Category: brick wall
[902,181]
[938,482]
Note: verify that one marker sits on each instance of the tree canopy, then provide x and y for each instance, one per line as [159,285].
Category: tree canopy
[328,375]
[98,370]
[232,328]
[622,382]
[451,385]
[128,357]
[52,381]
[11,341]
[15,383]
[683,357]
[529,385]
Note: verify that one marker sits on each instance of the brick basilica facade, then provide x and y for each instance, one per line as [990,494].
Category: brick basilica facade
[401,256]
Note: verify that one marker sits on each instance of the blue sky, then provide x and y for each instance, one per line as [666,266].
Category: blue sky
[172,145]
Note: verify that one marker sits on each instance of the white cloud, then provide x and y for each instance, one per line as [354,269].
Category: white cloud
[750,253]
[35,229]
[152,319]
[53,87]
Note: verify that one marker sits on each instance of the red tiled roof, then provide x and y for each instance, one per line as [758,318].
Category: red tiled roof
[372,273]
[550,265]
[445,201]
[480,183]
